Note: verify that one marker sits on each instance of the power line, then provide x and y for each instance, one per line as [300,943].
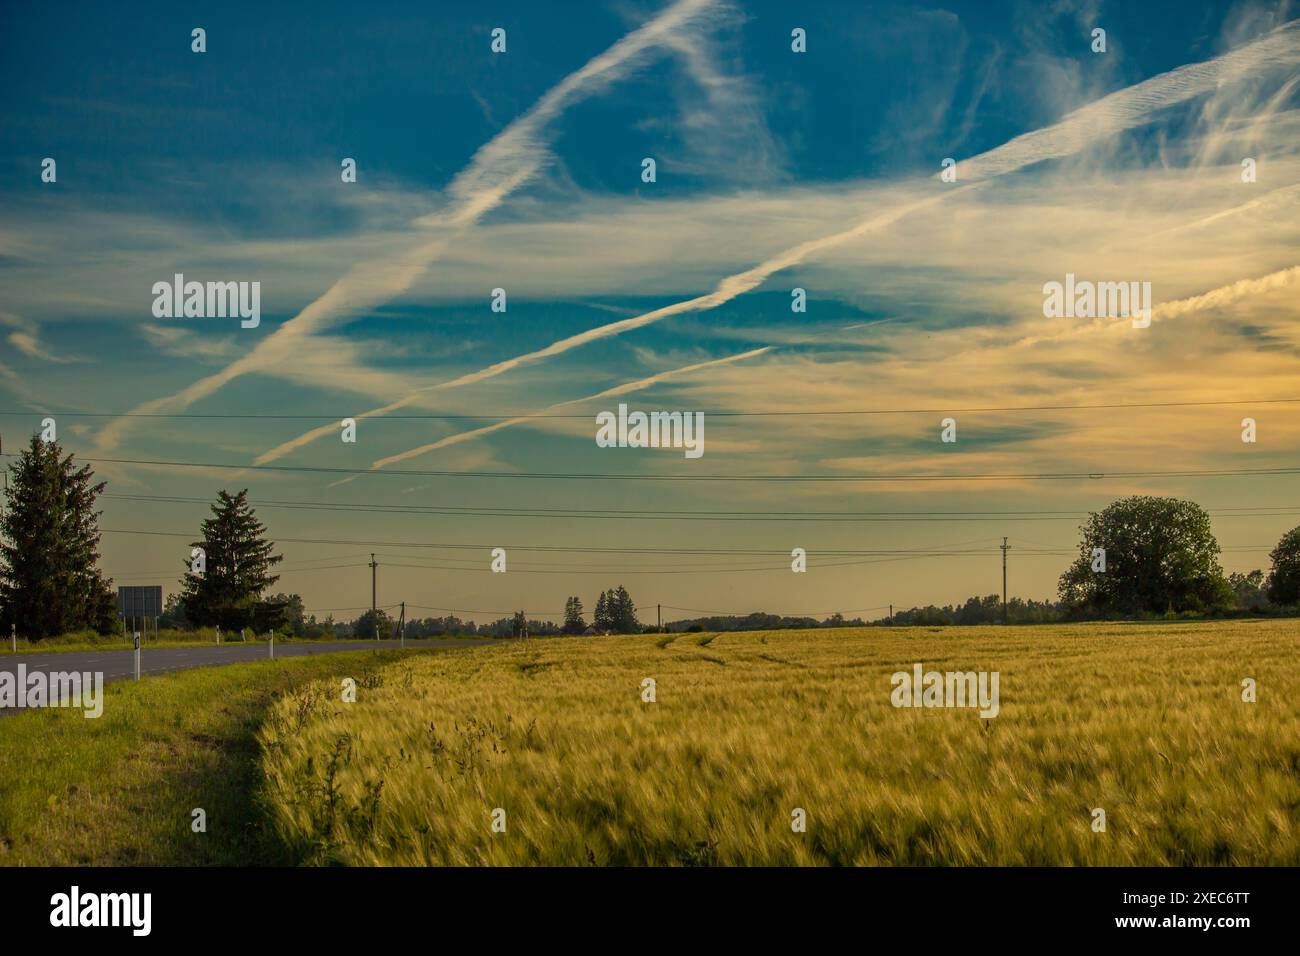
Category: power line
[314,610]
[325,610]
[139,575]
[604,567]
[301,564]
[616,570]
[715,569]
[297,564]
[764,552]
[769,413]
[455,546]
[696,515]
[606,476]
[826,559]
[620,570]
[602,550]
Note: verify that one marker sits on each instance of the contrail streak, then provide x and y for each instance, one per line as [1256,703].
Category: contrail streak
[1224,295]
[725,291]
[1111,114]
[607,393]
[501,166]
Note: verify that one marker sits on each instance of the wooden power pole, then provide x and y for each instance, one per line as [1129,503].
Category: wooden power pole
[1005,546]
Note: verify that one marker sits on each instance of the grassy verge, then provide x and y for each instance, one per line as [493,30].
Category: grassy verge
[90,641]
[121,789]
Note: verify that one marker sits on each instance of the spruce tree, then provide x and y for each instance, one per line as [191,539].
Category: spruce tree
[603,619]
[624,612]
[573,622]
[49,580]
[239,561]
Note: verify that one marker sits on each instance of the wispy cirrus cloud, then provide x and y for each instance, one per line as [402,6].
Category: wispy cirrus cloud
[25,337]
[1124,109]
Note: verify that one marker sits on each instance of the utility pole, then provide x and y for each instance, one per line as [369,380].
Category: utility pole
[1005,547]
[891,614]
[373,566]
[659,616]
[401,625]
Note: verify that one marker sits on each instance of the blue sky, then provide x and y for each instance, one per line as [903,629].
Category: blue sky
[775,170]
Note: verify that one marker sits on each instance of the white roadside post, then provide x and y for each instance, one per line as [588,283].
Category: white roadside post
[137,655]
[272,644]
[242,638]
[218,633]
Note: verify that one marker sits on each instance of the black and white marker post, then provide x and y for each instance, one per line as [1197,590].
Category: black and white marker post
[271,645]
[137,655]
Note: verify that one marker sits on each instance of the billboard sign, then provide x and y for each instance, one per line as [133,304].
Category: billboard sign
[140,601]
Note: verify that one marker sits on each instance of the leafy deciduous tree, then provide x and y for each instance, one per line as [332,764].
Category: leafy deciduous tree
[519,624]
[1160,556]
[372,622]
[1284,581]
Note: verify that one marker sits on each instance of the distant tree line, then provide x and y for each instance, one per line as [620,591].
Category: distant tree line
[517,625]
[978,610]
[1140,557]
[759,621]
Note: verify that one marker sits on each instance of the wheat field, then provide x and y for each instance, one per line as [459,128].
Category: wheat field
[544,751]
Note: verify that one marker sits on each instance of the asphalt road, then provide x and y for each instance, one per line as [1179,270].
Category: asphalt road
[120,665]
